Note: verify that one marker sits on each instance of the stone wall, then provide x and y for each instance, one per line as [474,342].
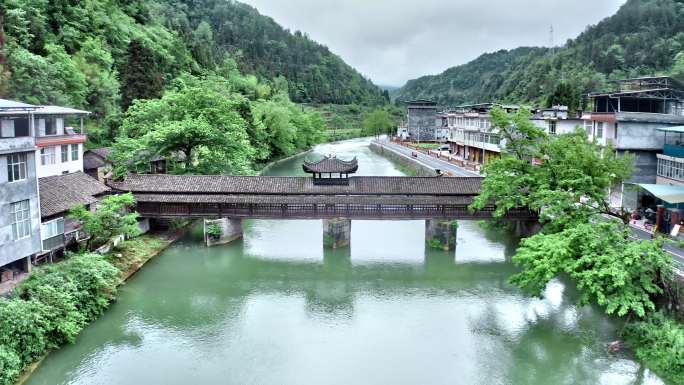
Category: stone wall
[421,123]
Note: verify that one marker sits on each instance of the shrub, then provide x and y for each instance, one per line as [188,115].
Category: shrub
[23,328]
[10,366]
[214,231]
[658,341]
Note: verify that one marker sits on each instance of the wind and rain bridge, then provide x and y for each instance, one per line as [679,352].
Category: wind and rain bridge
[330,193]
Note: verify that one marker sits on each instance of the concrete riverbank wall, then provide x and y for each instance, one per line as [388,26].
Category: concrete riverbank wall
[419,167]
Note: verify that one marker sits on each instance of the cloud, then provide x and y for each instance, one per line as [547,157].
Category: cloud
[392,41]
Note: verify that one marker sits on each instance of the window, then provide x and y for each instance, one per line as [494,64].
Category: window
[13,128]
[47,155]
[21,219]
[552,127]
[50,126]
[16,167]
[74,152]
[599,130]
[64,151]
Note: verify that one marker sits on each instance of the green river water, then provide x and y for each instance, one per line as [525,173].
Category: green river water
[276,308]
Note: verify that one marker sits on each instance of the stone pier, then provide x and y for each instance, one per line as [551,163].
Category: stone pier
[441,234]
[336,233]
[221,231]
[525,229]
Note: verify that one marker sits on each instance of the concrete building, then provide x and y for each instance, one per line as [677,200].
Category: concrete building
[630,118]
[19,202]
[471,136]
[60,147]
[422,118]
[557,120]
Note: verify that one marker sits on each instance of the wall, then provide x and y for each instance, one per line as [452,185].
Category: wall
[419,168]
[59,167]
[421,123]
[11,250]
[640,136]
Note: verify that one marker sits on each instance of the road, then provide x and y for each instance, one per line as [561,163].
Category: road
[428,160]
[676,252]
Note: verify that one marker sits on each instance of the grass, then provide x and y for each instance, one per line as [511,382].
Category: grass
[426,146]
[133,253]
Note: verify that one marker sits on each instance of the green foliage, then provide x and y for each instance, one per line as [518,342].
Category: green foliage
[610,268]
[51,307]
[569,185]
[378,122]
[642,38]
[659,342]
[109,220]
[71,52]
[214,231]
[140,76]
[434,244]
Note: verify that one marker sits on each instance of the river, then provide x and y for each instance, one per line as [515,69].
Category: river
[276,308]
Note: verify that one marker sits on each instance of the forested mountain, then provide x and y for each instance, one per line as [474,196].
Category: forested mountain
[644,37]
[89,53]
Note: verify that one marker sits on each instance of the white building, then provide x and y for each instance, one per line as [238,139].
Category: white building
[60,147]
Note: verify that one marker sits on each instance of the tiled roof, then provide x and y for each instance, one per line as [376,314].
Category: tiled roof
[303,199]
[331,165]
[364,185]
[92,161]
[61,192]
[103,152]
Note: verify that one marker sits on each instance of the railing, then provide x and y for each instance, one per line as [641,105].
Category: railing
[53,243]
[315,211]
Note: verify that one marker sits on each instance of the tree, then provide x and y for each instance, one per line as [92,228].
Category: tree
[140,77]
[620,274]
[569,184]
[565,94]
[377,122]
[109,220]
[198,123]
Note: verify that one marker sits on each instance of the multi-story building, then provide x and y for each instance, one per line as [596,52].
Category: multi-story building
[19,202]
[422,120]
[557,120]
[631,119]
[471,134]
[60,147]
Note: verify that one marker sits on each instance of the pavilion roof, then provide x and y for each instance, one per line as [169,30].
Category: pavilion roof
[331,164]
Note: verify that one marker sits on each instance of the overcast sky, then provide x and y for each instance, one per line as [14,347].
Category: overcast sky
[392,41]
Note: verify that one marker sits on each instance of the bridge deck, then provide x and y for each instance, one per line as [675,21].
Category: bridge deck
[298,197]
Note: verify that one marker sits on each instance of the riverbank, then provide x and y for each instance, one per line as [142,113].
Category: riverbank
[128,258]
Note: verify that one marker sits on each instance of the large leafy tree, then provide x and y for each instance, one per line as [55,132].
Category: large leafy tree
[377,122]
[611,269]
[566,178]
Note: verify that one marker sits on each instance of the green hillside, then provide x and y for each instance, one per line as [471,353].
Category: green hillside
[644,37]
[78,53]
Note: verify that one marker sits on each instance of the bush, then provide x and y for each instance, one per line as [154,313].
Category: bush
[50,309]
[10,366]
[659,343]
[214,231]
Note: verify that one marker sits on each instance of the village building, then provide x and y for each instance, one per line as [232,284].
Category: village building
[631,119]
[19,202]
[471,136]
[558,120]
[421,120]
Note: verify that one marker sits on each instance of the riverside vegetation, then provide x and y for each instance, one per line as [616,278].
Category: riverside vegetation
[57,301]
[625,276]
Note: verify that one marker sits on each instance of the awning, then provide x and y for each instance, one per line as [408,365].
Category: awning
[669,193]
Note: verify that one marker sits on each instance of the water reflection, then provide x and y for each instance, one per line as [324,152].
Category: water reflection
[276,308]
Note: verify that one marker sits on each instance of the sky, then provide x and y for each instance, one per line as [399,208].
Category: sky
[392,41]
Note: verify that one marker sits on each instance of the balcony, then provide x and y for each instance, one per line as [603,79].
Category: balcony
[56,140]
[670,169]
[53,243]
[17,144]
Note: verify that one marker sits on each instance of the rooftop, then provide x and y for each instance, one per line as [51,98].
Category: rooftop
[246,185]
[60,193]
[57,110]
[11,105]
[331,164]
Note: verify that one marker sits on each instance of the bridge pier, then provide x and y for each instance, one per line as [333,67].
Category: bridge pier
[441,234]
[221,231]
[336,233]
[524,229]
